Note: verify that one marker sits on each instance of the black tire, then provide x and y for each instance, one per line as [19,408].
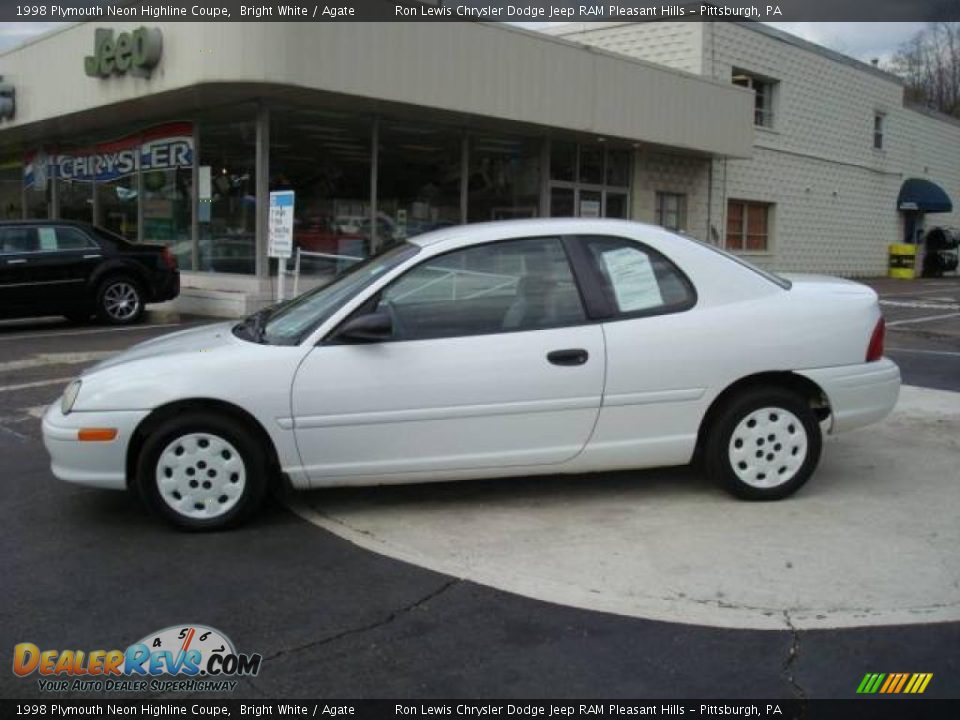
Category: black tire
[750,465]
[114,290]
[189,429]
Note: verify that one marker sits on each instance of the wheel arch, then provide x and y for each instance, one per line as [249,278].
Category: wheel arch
[803,386]
[172,409]
[119,268]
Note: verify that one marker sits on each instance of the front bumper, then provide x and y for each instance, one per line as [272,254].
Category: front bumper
[97,464]
[858,394]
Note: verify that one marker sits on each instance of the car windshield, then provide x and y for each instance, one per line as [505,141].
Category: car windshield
[289,323]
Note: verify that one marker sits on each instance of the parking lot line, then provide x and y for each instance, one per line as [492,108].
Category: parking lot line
[31,335]
[928,318]
[38,383]
[946,353]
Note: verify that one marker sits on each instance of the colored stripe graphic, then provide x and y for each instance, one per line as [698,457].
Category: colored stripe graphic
[894,683]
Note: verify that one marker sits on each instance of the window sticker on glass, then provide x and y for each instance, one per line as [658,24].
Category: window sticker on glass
[634,282]
[48,239]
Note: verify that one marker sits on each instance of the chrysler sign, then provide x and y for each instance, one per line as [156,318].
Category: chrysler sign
[136,52]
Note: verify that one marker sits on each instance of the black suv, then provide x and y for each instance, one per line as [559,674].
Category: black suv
[58,267]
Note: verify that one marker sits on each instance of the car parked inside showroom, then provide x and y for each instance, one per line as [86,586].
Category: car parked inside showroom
[58,267]
[493,350]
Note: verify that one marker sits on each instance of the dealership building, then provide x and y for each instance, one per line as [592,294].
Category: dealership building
[736,134]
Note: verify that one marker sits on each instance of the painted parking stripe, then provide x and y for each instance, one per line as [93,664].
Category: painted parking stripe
[64,358]
[921,304]
[98,331]
[945,353]
[38,383]
[928,318]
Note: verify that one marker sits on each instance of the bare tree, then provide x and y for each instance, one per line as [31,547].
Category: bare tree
[929,64]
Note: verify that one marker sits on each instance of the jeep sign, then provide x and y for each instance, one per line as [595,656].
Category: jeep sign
[137,52]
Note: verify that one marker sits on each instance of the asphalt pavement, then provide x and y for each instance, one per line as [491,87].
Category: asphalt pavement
[90,569]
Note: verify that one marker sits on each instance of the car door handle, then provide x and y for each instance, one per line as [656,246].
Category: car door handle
[90,257]
[16,262]
[575,356]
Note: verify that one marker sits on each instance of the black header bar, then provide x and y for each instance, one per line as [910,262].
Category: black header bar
[862,709]
[476,10]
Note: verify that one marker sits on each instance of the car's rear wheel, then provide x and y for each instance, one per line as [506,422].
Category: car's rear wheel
[120,300]
[764,444]
[203,471]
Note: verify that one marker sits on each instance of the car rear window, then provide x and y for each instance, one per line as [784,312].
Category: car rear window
[18,240]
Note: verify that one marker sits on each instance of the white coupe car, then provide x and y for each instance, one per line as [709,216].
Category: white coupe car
[504,349]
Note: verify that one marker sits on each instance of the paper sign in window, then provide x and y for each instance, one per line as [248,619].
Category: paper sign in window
[48,239]
[634,282]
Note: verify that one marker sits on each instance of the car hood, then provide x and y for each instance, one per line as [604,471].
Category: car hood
[199,339]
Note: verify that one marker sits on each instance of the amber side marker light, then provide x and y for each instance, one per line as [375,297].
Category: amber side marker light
[96,434]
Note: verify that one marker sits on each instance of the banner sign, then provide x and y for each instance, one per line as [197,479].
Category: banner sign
[165,147]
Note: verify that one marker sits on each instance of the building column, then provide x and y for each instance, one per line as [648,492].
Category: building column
[262,189]
[374,163]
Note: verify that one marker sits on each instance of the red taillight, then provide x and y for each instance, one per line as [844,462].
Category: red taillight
[875,348]
[168,258]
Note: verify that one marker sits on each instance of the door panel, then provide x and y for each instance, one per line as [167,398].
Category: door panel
[18,246]
[444,404]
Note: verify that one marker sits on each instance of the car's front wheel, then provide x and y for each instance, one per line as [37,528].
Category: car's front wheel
[764,444]
[203,471]
[120,300]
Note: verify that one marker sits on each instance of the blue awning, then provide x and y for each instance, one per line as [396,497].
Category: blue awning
[923,195]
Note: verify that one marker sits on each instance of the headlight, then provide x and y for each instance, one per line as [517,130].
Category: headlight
[69,397]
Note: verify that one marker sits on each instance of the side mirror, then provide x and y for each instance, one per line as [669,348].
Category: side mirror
[370,328]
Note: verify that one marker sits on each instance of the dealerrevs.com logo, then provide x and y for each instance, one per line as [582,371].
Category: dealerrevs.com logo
[180,658]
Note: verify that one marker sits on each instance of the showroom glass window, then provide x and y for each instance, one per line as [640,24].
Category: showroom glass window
[11,189]
[499,287]
[324,157]
[227,203]
[37,186]
[74,192]
[503,178]
[418,179]
[166,153]
[117,196]
[588,180]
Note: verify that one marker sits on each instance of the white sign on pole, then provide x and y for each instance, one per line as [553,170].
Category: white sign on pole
[280,235]
[280,238]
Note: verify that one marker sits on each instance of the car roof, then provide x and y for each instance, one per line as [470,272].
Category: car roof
[463,235]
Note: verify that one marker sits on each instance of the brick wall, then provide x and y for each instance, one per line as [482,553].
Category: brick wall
[834,194]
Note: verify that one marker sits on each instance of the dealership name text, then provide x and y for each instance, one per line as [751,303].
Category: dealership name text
[587,710]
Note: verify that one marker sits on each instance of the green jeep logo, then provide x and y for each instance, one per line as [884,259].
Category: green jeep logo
[137,52]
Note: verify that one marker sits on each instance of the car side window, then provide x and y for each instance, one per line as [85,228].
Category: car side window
[638,280]
[503,286]
[18,240]
[69,238]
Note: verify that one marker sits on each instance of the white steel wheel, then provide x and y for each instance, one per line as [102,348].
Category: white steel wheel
[763,443]
[768,447]
[200,476]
